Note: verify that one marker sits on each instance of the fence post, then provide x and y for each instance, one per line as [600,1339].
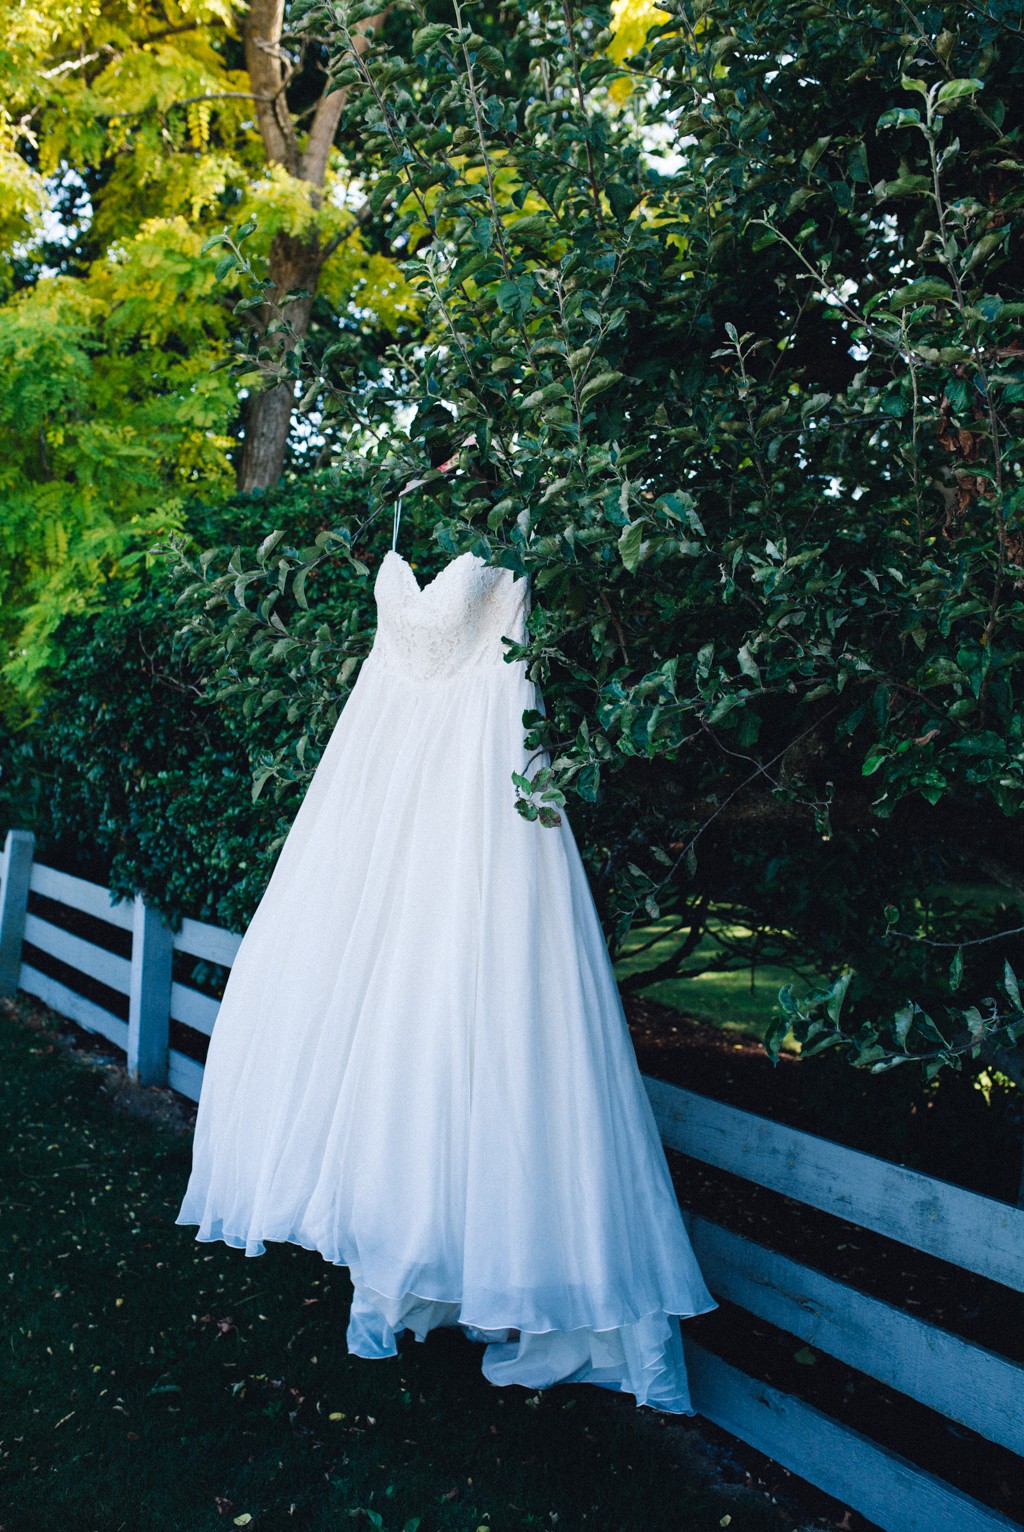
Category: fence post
[149,996]
[17,873]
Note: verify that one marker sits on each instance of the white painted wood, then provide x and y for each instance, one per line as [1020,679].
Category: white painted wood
[90,898]
[149,996]
[67,1002]
[961,1381]
[194,1009]
[16,870]
[886,1488]
[184,1074]
[210,942]
[80,954]
[977,1233]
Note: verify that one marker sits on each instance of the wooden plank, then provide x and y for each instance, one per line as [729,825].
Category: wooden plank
[195,1010]
[149,997]
[85,956]
[90,898]
[210,942]
[184,1074]
[15,881]
[977,1233]
[886,1488]
[966,1383]
[67,1002]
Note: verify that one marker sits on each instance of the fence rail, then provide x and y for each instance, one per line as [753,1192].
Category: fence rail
[966,1383]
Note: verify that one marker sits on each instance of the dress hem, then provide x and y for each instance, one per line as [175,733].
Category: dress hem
[238,1243]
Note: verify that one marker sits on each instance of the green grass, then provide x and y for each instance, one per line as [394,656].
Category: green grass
[730,1001]
[727,1000]
[146,1374]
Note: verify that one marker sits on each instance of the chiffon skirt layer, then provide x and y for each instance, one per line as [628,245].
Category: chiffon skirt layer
[421,1067]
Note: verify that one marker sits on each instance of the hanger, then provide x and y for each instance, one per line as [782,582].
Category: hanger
[397,519]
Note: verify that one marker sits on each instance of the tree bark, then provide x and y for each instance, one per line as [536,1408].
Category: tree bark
[270,69]
[293,263]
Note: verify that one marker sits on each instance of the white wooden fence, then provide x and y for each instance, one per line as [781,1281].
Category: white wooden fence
[964,1382]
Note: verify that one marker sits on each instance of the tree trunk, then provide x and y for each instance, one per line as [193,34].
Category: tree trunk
[268,417]
[293,263]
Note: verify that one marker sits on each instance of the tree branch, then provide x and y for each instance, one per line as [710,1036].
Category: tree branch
[313,165]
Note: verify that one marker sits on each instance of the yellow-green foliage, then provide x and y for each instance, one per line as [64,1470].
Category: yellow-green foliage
[631,20]
[111,412]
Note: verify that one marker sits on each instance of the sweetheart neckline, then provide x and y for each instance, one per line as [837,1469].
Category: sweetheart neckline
[420,589]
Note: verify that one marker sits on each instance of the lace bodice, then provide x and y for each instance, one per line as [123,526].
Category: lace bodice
[453,624]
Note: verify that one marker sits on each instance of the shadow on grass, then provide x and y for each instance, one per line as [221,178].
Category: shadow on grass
[152,1382]
[741,1001]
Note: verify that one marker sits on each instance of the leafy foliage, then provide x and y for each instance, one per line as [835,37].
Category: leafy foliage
[725,355]
[131,775]
[127,134]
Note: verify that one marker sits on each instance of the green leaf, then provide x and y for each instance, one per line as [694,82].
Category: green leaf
[927,290]
[630,542]
[899,117]
[381,190]
[837,995]
[425,38]
[902,1023]
[955,90]
[267,544]
[956,969]
[1011,986]
[260,781]
[975,1022]
[531,230]
[588,781]
[598,385]
[812,155]
[546,395]
[491,59]
[515,294]
[748,665]
[722,708]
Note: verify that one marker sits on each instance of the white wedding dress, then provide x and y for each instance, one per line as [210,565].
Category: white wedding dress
[420,1066]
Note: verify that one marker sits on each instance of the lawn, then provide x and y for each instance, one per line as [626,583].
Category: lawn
[155,1383]
[738,1002]
[744,1002]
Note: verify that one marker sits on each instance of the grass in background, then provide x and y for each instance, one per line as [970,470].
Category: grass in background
[743,1003]
[154,1382]
[734,1002]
